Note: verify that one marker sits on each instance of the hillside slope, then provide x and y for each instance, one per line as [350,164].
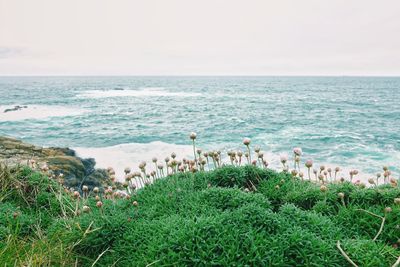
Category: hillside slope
[233,216]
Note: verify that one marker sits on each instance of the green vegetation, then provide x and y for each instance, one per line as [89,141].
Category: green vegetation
[232,216]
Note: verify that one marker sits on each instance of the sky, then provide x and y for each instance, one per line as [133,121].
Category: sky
[207,37]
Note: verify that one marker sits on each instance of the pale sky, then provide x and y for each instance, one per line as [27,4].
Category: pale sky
[199,37]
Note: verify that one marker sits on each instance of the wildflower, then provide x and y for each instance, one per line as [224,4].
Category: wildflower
[173,155]
[265,163]
[132,186]
[352,173]
[110,171]
[97,198]
[330,173]
[127,170]
[193,135]
[246,142]
[284,159]
[294,173]
[15,214]
[341,195]
[85,209]
[76,194]
[297,151]
[257,149]
[378,175]
[309,164]
[337,169]
[154,160]
[397,201]
[128,177]
[99,204]
[315,173]
[135,203]
[44,168]
[85,188]
[142,165]
[371,181]
[388,210]
[277,187]
[323,188]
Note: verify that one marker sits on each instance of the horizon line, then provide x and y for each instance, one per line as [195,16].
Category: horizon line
[200,75]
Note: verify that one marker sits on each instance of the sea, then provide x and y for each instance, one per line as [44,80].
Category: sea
[350,122]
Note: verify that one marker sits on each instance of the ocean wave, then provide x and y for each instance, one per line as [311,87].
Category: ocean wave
[131,154]
[142,92]
[11,113]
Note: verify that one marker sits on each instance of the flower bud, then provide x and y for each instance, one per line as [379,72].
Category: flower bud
[297,151]
[85,209]
[246,141]
[76,194]
[127,170]
[193,135]
[309,163]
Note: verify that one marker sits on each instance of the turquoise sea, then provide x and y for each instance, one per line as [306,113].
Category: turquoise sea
[353,122]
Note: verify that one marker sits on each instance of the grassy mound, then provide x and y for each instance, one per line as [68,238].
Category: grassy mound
[233,216]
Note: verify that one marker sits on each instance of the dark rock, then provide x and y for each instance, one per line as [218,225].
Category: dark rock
[15,108]
[76,171]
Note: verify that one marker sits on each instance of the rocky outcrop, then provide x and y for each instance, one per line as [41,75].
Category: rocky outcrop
[76,171]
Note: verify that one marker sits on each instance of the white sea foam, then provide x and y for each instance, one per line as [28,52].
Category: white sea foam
[142,92]
[36,112]
[130,155]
